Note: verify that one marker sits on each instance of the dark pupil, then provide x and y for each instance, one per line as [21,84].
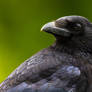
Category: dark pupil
[74,26]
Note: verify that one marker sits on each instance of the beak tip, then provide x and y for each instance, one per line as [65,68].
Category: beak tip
[51,24]
[42,29]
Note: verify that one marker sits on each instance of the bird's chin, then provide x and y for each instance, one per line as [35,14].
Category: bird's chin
[51,28]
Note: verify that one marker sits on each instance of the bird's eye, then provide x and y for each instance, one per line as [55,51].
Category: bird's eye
[77,26]
[74,26]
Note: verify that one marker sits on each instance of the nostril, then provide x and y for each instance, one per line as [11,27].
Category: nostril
[61,23]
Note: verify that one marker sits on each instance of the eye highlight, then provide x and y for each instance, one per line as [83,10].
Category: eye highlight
[74,26]
[77,26]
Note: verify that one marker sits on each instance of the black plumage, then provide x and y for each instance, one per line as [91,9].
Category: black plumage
[65,66]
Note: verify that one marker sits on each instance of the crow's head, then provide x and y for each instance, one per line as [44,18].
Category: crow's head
[68,26]
[73,28]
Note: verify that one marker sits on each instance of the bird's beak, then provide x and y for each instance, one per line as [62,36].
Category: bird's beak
[51,28]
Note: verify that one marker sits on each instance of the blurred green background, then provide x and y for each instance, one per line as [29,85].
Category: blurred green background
[20,23]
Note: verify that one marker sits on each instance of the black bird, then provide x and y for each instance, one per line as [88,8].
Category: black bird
[65,66]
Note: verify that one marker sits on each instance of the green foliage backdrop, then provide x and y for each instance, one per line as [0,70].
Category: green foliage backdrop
[20,23]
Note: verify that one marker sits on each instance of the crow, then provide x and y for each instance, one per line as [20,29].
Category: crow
[65,66]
